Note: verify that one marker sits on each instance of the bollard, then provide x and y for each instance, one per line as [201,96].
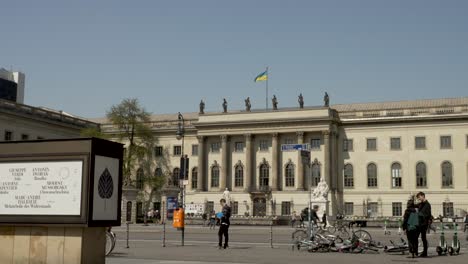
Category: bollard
[164,234]
[271,234]
[128,233]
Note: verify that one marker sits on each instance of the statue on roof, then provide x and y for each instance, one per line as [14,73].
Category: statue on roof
[202,107]
[301,101]
[326,100]
[224,105]
[274,102]
[247,104]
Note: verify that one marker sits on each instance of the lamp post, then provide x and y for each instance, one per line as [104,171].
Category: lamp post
[180,134]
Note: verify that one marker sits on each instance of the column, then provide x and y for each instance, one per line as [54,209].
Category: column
[274,162]
[248,163]
[300,166]
[224,165]
[201,163]
[326,148]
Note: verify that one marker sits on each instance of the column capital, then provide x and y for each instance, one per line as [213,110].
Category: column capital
[274,135]
[300,133]
[248,136]
[326,133]
[224,138]
[201,139]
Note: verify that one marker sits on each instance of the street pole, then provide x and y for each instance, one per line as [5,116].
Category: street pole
[180,134]
[310,198]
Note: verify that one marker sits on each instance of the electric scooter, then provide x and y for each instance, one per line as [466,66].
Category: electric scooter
[455,247]
[442,247]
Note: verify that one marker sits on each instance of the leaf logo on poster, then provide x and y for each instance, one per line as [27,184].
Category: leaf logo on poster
[105,186]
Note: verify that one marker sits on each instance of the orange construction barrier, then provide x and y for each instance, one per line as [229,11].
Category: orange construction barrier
[179,216]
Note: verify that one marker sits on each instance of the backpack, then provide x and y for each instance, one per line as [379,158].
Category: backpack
[413,221]
[226,211]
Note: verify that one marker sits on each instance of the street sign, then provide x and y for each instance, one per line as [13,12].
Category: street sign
[293,147]
[305,155]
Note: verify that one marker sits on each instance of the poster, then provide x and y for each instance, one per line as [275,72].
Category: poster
[106,180]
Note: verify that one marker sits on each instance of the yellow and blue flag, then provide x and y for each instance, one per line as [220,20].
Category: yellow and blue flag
[262,76]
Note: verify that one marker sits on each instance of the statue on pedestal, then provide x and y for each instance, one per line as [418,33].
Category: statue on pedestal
[224,105]
[326,100]
[274,102]
[301,101]
[227,196]
[320,193]
[247,104]
[202,107]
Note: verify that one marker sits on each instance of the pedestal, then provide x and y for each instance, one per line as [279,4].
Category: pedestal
[52,245]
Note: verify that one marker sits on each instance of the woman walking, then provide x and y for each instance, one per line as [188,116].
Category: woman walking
[411,227]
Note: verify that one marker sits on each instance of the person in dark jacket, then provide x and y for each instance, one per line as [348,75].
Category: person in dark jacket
[412,230]
[224,224]
[425,215]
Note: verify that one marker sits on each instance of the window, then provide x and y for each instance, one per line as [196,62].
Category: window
[139,179]
[421,175]
[315,144]
[396,175]
[235,208]
[175,177]
[210,207]
[238,176]
[195,178]
[372,209]
[158,172]
[215,147]
[8,135]
[371,144]
[348,176]
[195,150]
[448,209]
[315,174]
[263,145]
[289,173]
[158,151]
[264,175]
[396,209]
[446,142]
[139,210]
[395,143]
[177,150]
[447,179]
[371,175]
[24,137]
[289,141]
[215,176]
[238,146]
[285,208]
[349,208]
[347,145]
[420,142]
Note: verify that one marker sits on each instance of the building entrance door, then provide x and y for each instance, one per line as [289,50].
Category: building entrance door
[259,206]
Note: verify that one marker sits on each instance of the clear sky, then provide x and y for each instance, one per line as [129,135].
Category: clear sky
[84,56]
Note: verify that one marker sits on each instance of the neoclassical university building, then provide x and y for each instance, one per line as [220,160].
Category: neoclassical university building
[373,156]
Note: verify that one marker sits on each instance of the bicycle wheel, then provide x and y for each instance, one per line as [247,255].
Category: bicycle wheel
[114,239]
[332,229]
[110,241]
[363,235]
[343,233]
[297,237]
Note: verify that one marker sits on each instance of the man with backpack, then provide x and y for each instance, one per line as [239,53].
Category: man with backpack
[224,224]
[411,227]
[425,215]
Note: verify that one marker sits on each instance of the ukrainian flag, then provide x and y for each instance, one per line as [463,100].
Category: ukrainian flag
[261,77]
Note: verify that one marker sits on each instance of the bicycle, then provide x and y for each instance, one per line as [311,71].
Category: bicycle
[318,241]
[110,241]
[340,227]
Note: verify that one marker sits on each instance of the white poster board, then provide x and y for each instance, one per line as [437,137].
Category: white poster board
[41,188]
[106,180]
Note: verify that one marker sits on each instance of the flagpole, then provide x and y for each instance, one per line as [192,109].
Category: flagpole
[266,89]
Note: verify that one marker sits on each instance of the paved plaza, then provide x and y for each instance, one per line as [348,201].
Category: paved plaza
[250,245]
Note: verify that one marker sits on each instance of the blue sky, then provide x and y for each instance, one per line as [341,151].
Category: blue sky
[84,56]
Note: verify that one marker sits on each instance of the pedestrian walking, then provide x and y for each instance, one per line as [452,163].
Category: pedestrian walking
[204,217]
[157,217]
[212,222]
[425,214]
[465,221]
[224,224]
[411,227]
[294,217]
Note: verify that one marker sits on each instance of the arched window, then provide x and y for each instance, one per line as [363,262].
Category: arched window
[139,179]
[215,176]
[348,175]
[421,175]
[396,175]
[315,173]
[264,175]
[447,174]
[158,172]
[238,176]
[195,178]
[289,173]
[175,177]
[372,175]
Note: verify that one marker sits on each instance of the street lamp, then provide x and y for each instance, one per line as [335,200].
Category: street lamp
[180,134]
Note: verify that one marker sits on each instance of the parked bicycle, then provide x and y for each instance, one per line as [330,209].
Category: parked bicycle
[110,240]
[319,240]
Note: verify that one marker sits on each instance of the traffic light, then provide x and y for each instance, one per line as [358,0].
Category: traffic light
[184,167]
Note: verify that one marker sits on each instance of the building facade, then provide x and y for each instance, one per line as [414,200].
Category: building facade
[373,156]
[12,86]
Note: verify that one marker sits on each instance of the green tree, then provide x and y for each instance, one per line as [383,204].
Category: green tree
[93,132]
